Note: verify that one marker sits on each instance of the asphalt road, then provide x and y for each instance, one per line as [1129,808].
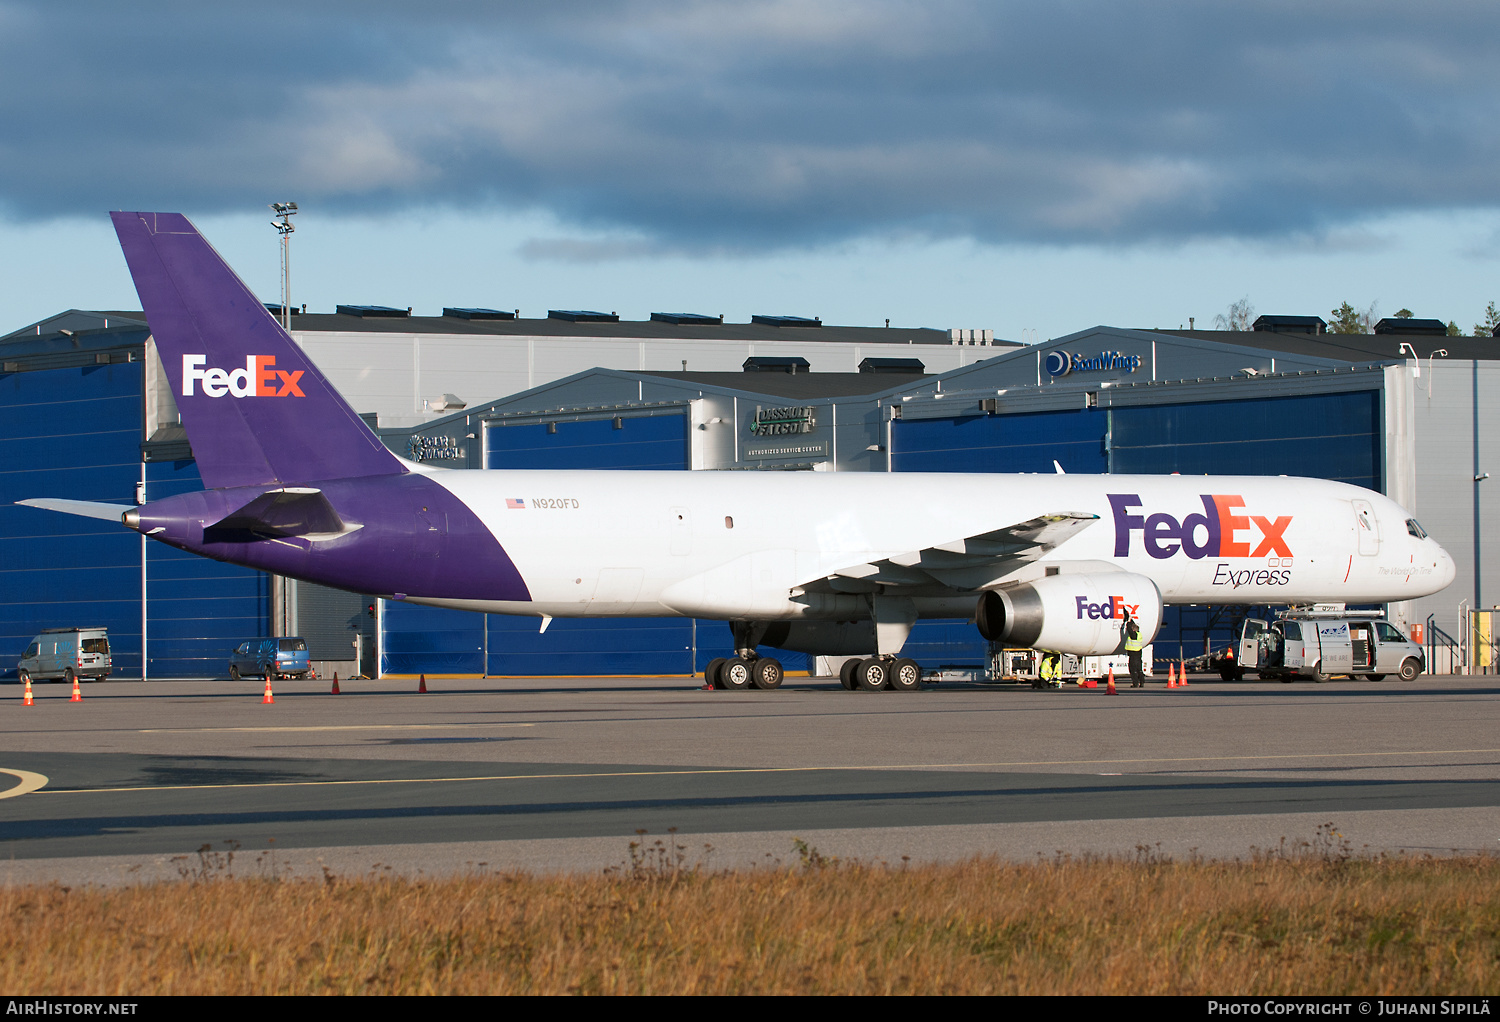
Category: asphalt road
[566,773]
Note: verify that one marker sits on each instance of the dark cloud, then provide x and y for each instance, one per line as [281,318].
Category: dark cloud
[751,125]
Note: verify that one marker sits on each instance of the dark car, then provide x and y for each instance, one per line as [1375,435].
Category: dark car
[285,657]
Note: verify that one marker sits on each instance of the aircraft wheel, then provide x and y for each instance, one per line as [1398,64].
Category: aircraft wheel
[846,675]
[737,672]
[768,674]
[905,675]
[711,672]
[1410,668]
[870,675]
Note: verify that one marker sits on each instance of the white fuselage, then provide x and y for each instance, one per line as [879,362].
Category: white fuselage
[740,545]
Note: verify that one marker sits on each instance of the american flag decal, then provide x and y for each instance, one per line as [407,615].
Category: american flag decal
[513,503]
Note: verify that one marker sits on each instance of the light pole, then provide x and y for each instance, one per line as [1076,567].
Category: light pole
[280,618]
[284,227]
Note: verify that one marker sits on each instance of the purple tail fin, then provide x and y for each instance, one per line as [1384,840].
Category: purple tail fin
[256,409]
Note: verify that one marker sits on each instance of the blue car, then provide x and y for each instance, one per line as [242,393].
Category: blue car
[285,657]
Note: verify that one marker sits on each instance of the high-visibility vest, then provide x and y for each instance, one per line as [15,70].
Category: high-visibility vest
[1051,666]
[1133,643]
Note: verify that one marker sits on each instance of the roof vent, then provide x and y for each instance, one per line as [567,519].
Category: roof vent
[776,364]
[448,402]
[892,365]
[1410,327]
[477,314]
[373,312]
[785,321]
[686,318]
[1291,324]
[582,316]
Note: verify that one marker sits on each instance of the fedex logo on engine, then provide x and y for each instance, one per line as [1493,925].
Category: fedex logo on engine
[1222,530]
[1112,609]
[258,378]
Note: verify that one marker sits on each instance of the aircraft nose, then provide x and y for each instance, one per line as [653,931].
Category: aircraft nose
[1447,571]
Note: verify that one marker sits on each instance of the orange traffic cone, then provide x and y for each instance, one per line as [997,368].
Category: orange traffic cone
[421,684]
[26,699]
[77,692]
[267,698]
[1171,675]
[1182,677]
[1110,688]
[335,690]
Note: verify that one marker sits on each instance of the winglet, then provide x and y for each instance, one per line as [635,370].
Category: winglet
[256,409]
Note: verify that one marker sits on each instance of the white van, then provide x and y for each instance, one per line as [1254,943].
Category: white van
[66,653]
[1318,643]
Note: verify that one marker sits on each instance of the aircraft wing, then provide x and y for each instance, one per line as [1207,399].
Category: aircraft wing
[968,563]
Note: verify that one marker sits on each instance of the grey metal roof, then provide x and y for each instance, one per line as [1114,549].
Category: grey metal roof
[643,329]
[809,386]
[76,320]
[1346,347]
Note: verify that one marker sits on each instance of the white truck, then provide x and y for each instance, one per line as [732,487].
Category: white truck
[63,654]
[1322,641]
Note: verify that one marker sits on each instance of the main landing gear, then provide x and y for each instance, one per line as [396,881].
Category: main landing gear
[888,670]
[742,671]
[747,668]
[896,673]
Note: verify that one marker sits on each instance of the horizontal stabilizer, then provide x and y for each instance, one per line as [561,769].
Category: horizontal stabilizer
[86,508]
[293,511]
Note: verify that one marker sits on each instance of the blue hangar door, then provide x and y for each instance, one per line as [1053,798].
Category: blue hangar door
[430,640]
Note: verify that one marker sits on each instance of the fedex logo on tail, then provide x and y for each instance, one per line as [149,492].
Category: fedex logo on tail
[1222,530]
[1112,609]
[258,378]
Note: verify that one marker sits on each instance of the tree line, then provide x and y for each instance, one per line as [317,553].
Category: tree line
[1346,319]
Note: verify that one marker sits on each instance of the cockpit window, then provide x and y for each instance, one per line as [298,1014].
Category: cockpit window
[1415,528]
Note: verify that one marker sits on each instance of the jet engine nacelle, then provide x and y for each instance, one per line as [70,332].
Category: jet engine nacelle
[1080,614]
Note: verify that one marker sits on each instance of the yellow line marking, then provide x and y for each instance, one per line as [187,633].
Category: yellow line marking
[757,770]
[327,727]
[29,782]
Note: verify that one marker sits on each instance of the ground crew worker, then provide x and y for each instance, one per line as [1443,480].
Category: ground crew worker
[1050,671]
[1133,646]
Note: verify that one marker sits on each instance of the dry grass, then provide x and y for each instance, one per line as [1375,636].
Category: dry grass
[1316,922]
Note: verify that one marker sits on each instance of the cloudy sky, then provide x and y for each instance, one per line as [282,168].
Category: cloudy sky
[1018,166]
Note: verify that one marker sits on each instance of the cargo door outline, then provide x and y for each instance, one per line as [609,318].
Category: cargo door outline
[615,586]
